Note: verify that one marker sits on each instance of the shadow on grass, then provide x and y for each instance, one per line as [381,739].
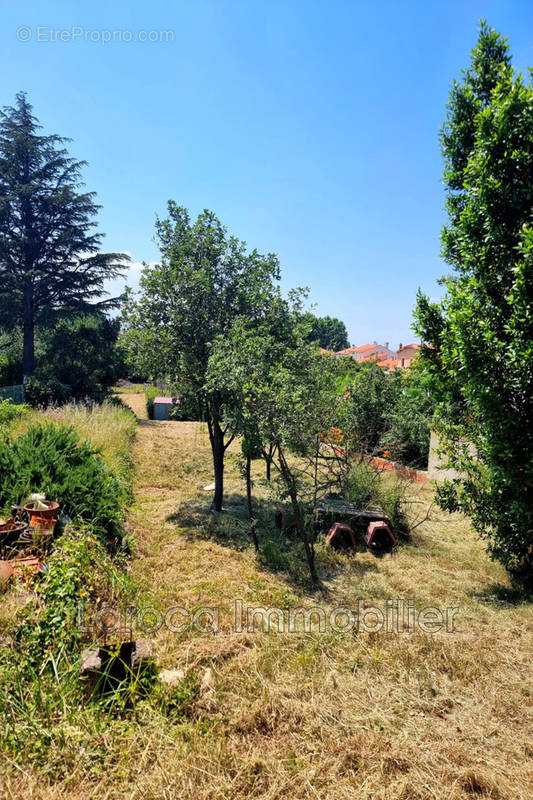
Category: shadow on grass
[279,552]
[498,594]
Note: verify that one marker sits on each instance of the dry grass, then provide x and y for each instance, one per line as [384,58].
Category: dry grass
[107,427]
[390,717]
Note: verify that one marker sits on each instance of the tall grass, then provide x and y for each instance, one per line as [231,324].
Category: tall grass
[110,427]
[40,690]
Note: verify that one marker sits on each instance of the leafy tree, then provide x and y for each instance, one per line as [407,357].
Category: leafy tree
[276,391]
[407,438]
[206,279]
[482,333]
[49,251]
[371,398]
[76,353]
[328,332]
[81,351]
[10,356]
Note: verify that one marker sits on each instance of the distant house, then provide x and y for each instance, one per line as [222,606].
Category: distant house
[365,351]
[389,364]
[405,355]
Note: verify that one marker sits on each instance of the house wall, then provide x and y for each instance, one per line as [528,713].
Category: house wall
[406,355]
[376,348]
[435,472]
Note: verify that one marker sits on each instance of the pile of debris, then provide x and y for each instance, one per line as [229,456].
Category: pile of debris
[25,538]
[346,526]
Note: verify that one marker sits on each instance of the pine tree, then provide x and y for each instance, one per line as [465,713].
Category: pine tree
[50,255]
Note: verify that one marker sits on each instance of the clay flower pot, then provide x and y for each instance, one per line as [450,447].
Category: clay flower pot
[41,513]
[6,571]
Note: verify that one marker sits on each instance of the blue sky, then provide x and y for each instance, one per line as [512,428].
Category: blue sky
[310,128]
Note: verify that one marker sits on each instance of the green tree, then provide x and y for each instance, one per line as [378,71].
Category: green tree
[276,391]
[408,433]
[482,333]
[206,279]
[81,351]
[328,332]
[49,251]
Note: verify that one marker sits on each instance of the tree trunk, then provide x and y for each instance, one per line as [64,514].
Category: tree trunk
[29,343]
[249,501]
[268,455]
[217,446]
[300,525]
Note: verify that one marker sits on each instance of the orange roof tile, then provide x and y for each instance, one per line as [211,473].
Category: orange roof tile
[373,357]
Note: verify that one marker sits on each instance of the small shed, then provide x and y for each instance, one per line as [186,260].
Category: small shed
[162,407]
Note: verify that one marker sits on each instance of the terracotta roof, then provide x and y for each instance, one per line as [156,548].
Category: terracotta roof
[373,357]
[414,346]
[363,348]
[388,363]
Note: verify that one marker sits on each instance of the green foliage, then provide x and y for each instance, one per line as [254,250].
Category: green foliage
[50,256]
[39,681]
[278,391]
[81,351]
[386,412]
[50,459]
[371,398]
[482,333]
[328,332]
[361,489]
[407,438]
[10,357]
[151,393]
[9,411]
[368,488]
[42,391]
[206,280]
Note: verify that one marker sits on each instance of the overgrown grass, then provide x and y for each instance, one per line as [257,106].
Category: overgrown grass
[110,427]
[407,716]
[135,388]
[41,637]
[9,412]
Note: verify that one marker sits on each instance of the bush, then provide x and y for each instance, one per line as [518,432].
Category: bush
[188,408]
[44,391]
[10,411]
[50,459]
[81,351]
[368,487]
[151,393]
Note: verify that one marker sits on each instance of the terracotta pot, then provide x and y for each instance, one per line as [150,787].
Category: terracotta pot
[26,567]
[42,513]
[6,571]
[42,524]
[11,525]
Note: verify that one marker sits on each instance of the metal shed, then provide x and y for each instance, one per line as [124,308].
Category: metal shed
[162,407]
